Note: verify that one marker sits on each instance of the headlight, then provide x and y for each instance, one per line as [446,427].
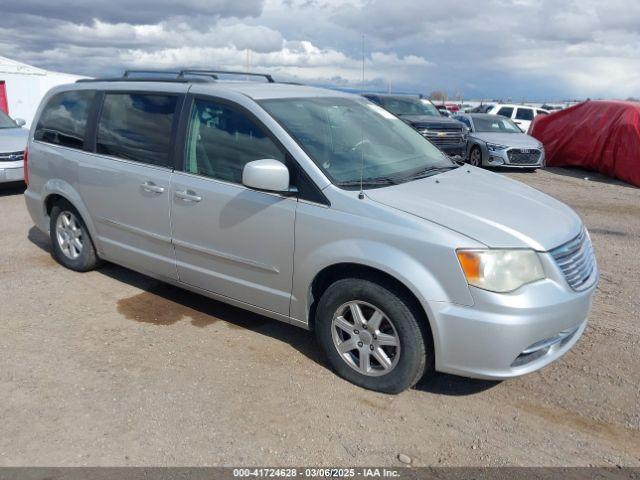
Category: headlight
[493,147]
[500,270]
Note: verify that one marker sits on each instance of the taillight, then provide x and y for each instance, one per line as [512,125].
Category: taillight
[26,168]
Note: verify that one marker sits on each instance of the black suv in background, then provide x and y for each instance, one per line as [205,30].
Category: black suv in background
[447,134]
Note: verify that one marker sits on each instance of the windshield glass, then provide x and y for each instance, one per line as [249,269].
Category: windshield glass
[496,125]
[346,136]
[6,122]
[409,106]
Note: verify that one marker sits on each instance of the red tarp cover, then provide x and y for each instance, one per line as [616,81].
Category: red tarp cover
[597,135]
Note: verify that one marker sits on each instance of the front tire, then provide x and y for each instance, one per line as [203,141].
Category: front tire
[70,240]
[475,156]
[372,335]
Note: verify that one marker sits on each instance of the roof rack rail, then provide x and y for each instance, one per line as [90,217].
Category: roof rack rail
[215,73]
[178,76]
[145,79]
[128,73]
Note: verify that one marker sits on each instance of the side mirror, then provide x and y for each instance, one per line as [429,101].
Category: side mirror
[20,122]
[270,175]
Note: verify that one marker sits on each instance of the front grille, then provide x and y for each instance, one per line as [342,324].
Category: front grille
[445,136]
[523,156]
[11,156]
[576,260]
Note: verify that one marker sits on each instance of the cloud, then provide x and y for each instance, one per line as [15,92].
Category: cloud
[129,11]
[536,49]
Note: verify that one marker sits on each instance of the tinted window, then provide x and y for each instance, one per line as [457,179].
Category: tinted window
[542,112]
[464,120]
[137,127]
[221,140]
[64,120]
[506,112]
[524,114]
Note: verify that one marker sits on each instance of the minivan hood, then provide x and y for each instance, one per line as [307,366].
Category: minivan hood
[519,140]
[487,207]
[13,139]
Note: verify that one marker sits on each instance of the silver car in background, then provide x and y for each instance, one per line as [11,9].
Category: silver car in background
[404,261]
[13,141]
[495,141]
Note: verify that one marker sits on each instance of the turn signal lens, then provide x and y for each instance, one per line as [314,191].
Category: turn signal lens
[470,263]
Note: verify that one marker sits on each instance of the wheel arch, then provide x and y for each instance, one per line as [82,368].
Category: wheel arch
[56,190]
[338,271]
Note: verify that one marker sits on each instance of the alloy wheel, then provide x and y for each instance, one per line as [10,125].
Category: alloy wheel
[475,157]
[69,235]
[365,338]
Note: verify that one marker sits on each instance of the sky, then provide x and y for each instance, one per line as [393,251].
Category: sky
[520,49]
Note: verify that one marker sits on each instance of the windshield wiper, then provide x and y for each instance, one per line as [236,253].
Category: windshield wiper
[429,171]
[368,182]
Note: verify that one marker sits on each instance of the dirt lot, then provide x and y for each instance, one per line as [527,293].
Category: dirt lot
[112,368]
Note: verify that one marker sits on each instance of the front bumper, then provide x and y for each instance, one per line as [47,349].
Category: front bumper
[12,171]
[508,335]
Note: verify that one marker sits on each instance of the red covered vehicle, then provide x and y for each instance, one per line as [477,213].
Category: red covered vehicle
[597,135]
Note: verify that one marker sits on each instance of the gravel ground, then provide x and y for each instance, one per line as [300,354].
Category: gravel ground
[113,368]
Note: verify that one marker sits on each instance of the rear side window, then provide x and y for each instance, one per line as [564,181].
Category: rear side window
[524,114]
[64,119]
[506,112]
[222,140]
[137,127]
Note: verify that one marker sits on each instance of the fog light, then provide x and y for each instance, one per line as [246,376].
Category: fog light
[496,160]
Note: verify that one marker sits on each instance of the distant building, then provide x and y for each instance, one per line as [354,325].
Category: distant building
[23,86]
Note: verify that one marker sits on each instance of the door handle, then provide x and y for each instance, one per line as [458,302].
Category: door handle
[188,196]
[152,187]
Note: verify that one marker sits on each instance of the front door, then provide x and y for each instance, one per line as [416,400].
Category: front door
[126,183]
[229,239]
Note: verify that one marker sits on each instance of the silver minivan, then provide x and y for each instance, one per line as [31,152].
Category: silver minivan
[316,208]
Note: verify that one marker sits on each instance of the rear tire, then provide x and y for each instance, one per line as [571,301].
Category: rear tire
[372,336]
[71,243]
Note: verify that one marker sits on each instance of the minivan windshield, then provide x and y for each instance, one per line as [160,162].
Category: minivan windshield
[350,137]
[495,124]
[409,106]
[6,121]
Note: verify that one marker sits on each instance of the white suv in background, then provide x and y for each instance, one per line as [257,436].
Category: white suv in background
[522,115]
